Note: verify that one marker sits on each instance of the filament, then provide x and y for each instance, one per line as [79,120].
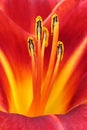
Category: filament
[44,44]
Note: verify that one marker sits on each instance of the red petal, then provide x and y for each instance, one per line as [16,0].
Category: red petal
[81,92]
[13,44]
[72,31]
[16,122]
[24,12]
[76,30]
[63,8]
[75,119]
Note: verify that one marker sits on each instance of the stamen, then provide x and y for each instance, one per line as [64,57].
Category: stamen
[60,52]
[39,29]
[37,67]
[52,57]
[32,54]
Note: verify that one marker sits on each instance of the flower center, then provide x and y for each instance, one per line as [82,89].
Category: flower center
[42,88]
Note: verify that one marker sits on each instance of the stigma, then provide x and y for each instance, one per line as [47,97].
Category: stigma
[42,87]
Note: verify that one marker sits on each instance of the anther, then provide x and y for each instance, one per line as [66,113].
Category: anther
[54,21]
[45,36]
[60,49]
[38,28]
[31,45]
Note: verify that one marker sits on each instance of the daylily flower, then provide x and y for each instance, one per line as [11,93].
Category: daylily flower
[43,64]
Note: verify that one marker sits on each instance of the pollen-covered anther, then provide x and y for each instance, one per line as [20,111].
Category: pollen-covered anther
[31,45]
[39,28]
[60,49]
[45,36]
[54,22]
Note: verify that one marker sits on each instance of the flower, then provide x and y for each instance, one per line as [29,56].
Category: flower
[68,93]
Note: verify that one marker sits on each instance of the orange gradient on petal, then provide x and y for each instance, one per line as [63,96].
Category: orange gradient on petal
[63,78]
[20,95]
[8,71]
